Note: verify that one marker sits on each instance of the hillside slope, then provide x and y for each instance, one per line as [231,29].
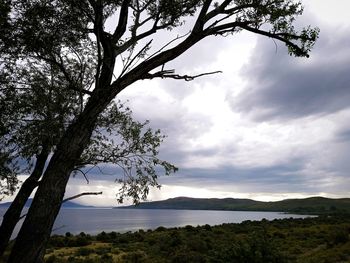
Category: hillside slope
[315,205]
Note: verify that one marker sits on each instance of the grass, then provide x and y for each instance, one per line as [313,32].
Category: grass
[318,240]
[322,239]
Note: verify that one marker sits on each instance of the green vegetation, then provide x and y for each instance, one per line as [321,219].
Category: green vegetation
[312,205]
[311,240]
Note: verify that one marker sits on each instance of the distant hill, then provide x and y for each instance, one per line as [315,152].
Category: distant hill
[67,204]
[312,205]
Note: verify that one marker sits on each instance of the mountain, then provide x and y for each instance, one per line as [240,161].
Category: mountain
[67,204]
[312,205]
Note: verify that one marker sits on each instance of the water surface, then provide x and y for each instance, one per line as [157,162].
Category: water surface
[96,220]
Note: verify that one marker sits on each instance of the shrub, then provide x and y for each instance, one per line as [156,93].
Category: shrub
[102,237]
[160,229]
[51,259]
[338,235]
[106,258]
[189,228]
[83,251]
[188,256]
[207,227]
[134,257]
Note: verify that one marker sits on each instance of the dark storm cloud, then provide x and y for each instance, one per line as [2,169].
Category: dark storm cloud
[343,135]
[279,178]
[284,87]
[285,176]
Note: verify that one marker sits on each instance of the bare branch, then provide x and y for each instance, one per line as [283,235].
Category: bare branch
[137,56]
[168,44]
[79,195]
[84,174]
[71,198]
[170,74]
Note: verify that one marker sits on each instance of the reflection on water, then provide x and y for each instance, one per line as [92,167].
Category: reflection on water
[95,220]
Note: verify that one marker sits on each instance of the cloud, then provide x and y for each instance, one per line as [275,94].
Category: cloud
[343,136]
[275,129]
[281,87]
[289,177]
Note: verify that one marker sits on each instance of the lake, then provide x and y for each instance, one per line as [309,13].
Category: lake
[96,220]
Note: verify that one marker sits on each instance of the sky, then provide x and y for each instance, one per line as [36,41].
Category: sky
[269,127]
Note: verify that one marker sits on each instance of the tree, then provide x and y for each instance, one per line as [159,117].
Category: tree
[35,114]
[37,106]
[52,31]
[36,132]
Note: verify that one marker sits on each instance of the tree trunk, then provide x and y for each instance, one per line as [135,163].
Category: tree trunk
[35,232]
[13,213]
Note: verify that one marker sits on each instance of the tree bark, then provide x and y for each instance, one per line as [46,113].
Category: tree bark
[35,232]
[13,213]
